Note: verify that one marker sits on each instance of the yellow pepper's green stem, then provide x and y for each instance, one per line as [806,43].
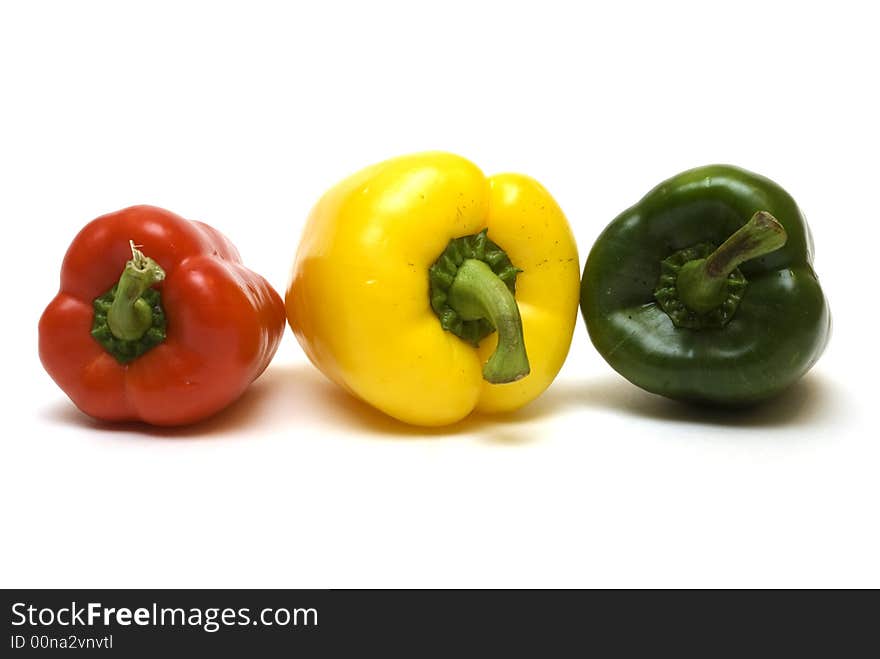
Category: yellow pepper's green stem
[477,292]
[702,283]
[130,315]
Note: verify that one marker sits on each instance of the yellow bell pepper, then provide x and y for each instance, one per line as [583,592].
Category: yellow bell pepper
[398,286]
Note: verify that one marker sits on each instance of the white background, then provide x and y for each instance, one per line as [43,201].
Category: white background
[243,114]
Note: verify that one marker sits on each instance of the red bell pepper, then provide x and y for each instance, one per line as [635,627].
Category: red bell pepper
[177,337]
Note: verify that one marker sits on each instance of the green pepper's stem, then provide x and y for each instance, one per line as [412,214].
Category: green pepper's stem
[702,283]
[130,316]
[477,292]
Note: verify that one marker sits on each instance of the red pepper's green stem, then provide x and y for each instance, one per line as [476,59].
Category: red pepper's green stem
[702,283]
[130,316]
[477,292]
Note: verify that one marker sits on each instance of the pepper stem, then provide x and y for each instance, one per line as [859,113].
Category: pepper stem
[702,283]
[476,293]
[130,316]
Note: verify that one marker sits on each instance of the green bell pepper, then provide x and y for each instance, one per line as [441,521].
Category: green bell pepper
[705,290]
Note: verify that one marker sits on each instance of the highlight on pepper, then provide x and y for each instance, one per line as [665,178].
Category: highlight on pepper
[705,290]
[429,290]
[157,320]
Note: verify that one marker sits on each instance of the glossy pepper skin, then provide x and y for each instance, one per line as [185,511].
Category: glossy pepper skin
[360,298]
[774,336]
[222,321]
